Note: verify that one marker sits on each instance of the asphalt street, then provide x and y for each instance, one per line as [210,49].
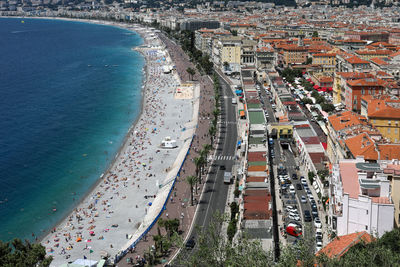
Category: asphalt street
[215,193]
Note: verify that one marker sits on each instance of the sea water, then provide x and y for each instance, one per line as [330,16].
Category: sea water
[69,91]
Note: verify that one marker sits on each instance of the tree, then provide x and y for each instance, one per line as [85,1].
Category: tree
[212,131]
[23,254]
[191,180]
[226,65]
[311,176]
[306,100]
[191,72]
[234,32]
[315,34]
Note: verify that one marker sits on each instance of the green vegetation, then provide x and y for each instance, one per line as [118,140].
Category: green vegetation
[311,176]
[214,250]
[18,253]
[289,74]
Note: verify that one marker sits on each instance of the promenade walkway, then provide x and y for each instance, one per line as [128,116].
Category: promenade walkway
[178,205]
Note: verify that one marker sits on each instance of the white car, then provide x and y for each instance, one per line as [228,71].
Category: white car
[310,197]
[303,181]
[317,223]
[319,246]
[303,199]
[294,217]
[291,189]
[291,210]
[318,232]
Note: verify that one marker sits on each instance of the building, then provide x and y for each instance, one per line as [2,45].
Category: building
[369,54]
[339,84]
[227,49]
[341,244]
[392,170]
[355,89]
[326,60]
[294,54]
[360,198]
[339,126]
[193,25]
[384,114]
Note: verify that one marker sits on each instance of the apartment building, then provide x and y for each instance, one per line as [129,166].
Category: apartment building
[338,127]
[227,49]
[383,112]
[340,79]
[360,198]
[356,88]
[293,54]
[326,60]
[392,170]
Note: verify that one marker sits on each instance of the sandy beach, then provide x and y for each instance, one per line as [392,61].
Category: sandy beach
[109,217]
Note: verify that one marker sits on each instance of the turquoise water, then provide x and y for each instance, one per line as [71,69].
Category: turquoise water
[69,93]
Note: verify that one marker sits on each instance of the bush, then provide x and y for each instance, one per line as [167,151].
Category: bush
[311,176]
[231,231]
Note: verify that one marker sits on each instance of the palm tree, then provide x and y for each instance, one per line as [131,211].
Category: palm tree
[216,112]
[212,131]
[207,148]
[191,72]
[157,242]
[191,180]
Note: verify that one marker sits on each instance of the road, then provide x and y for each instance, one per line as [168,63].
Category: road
[285,158]
[215,193]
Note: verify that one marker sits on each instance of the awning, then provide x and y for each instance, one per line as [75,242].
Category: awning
[241,113]
[239,142]
[330,89]
[315,86]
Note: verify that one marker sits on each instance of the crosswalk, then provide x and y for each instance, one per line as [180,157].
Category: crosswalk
[222,157]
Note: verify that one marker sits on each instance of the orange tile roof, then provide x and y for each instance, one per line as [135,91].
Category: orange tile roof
[362,145]
[356,60]
[373,52]
[324,55]
[341,244]
[366,82]
[379,61]
[355,75]
[346,119]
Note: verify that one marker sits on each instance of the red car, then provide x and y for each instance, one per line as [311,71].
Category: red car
[293,231]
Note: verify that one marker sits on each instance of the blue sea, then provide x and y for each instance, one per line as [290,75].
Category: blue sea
[69,91]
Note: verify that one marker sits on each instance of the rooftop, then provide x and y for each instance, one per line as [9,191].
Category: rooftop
[341,244]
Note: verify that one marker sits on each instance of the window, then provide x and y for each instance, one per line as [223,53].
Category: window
[367,212]
[389,122]
[396,130]
[366,227]
[388,131]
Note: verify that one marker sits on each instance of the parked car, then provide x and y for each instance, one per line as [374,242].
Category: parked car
[307,216]
[317,223]
[293,231]
[299,187]
[291,189]
[303,199]
[294,176]
[294,217]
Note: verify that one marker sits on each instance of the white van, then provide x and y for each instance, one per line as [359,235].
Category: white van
[234,101]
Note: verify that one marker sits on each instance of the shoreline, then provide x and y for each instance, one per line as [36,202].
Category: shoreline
[92,188]
[148,97]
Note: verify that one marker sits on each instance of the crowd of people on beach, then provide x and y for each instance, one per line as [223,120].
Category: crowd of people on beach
[138,168]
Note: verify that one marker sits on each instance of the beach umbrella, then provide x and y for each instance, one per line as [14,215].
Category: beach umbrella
[78,239]
[91,232]
[150,203]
